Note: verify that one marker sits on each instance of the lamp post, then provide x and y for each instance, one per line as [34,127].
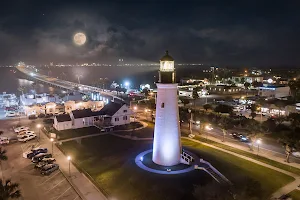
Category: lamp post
[135,109]
[39,127]
[258,142]
[78,75]
[69,159]
[52,140]
[191,118]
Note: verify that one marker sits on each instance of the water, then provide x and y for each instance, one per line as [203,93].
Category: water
[10,81]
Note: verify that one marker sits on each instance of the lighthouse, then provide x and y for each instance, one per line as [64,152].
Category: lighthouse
[166,144]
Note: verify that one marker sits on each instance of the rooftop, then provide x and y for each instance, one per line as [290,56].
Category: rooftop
[167,57]
[63,118]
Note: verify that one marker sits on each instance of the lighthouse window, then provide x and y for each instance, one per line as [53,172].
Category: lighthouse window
[162,105]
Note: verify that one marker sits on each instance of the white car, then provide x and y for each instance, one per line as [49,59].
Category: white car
[21,128]
[296,154]
[191,135]
[26,138]
[22,133]
[4,140]
[11,114]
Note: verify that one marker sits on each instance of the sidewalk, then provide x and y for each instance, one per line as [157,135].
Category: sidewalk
[278,157]
[81,184]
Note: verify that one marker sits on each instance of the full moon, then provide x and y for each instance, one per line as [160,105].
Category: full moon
[79,38]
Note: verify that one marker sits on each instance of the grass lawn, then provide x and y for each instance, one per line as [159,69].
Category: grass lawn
[110,161]
[232,166]
[295,194]
[65,134]
[251,155]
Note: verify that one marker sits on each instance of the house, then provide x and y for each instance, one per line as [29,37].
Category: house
[62,122]
[112,114]
[119,113]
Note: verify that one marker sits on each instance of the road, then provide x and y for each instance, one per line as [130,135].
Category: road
[268,145]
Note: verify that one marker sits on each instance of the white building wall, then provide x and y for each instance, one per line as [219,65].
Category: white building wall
[122,116]
[167,144]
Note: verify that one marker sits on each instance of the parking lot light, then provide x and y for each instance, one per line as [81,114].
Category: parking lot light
[52,140]
[69,159]
[39,127]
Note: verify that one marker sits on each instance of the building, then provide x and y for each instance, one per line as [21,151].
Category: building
[223,89]
[93,105]
[166,143]
[274,91]
[249,79]
[32,99]
[112,114]
[62,122]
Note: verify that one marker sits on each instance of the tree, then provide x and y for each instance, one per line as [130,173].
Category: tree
[226,123]
[195,94]
[257,84]
[185,101]
[246,85]
[222,108]
[145,91]
[229,82]
[254,131]
[9,190]
[294,118]
[253,115]
[294,88]
[242,80]
[3,157]
[207,106]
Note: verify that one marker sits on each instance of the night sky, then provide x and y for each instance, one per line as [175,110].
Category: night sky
[256,33]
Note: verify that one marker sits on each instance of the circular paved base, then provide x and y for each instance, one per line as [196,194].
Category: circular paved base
[144,161]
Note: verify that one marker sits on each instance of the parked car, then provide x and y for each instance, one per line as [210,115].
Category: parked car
[26,138]
[30,154]
[4,140]
[236,135]
[21,128]
[245,139]
[32,117]
[48,169]
[11,114]
[44,162]
[22,133]
[191,135]
[40,157]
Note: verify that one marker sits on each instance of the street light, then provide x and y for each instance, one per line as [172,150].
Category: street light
[78,75]
[258,142]
[208,128]
[39,127]
[52,140]
[135,109]
[69,159]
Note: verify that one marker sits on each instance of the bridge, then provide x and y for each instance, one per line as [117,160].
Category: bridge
[84,89]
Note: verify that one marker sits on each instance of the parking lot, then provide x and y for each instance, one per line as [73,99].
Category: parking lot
[33,185]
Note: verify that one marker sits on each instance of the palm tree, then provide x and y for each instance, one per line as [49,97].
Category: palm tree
[226,123]
[9,190]
[3,157]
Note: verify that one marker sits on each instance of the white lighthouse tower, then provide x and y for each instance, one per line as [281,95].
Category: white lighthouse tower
[167,144]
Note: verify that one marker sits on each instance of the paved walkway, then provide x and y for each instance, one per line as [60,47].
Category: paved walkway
[82,185]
